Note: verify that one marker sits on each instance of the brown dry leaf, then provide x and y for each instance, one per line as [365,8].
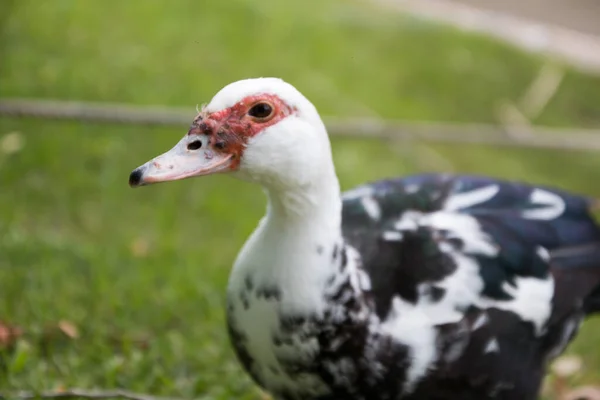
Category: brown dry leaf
[583,393]
[69,329]
[9,334]
[140,247]
[12,142]
[566,366]
[60,388]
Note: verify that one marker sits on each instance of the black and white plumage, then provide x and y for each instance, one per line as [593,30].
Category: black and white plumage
[427,287]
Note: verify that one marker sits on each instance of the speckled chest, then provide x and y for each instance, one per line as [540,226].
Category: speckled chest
[336,350]
[279,347]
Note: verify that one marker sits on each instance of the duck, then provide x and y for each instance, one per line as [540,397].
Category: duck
[431,286]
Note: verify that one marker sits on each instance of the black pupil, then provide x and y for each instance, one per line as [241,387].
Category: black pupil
[261,110]
[195,145]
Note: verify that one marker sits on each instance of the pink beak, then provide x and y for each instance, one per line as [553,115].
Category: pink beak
[192,156]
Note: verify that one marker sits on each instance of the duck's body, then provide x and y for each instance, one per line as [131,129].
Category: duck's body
[432,287]
[428,287]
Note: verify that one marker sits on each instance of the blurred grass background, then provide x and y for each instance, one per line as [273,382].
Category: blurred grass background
[140,275]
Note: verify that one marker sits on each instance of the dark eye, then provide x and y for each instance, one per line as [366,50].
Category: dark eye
[261,110]
[195,145]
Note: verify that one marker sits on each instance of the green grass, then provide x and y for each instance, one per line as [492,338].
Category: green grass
[72,233]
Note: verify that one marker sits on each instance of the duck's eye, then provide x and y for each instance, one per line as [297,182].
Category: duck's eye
[261,111]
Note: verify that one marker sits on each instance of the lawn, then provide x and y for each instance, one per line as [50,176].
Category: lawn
[137,277]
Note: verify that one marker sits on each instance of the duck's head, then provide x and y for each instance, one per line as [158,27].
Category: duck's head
[262,130]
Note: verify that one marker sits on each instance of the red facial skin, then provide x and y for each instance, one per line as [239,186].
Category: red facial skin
[231,128]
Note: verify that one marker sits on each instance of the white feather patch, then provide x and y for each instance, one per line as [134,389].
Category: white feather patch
[532,300]
[554,205]
[371,207]
[460,201]
[409,220]
[464,227]
[412,188]
[392,236]
[412,327]
[543,253]
[480,321]
[462,289]
[492,346]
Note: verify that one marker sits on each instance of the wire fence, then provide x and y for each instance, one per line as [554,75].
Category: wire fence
[488,134]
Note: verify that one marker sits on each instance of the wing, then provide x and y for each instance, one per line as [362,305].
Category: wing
[451,243]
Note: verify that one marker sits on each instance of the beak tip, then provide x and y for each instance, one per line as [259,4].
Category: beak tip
[135,178]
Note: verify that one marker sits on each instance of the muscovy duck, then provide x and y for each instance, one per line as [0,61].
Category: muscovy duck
[425,287]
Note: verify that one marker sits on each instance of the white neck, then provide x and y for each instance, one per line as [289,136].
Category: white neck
[316,204]
[291,248]
[290,254]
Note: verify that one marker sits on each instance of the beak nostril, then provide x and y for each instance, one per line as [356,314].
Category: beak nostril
[195,145]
